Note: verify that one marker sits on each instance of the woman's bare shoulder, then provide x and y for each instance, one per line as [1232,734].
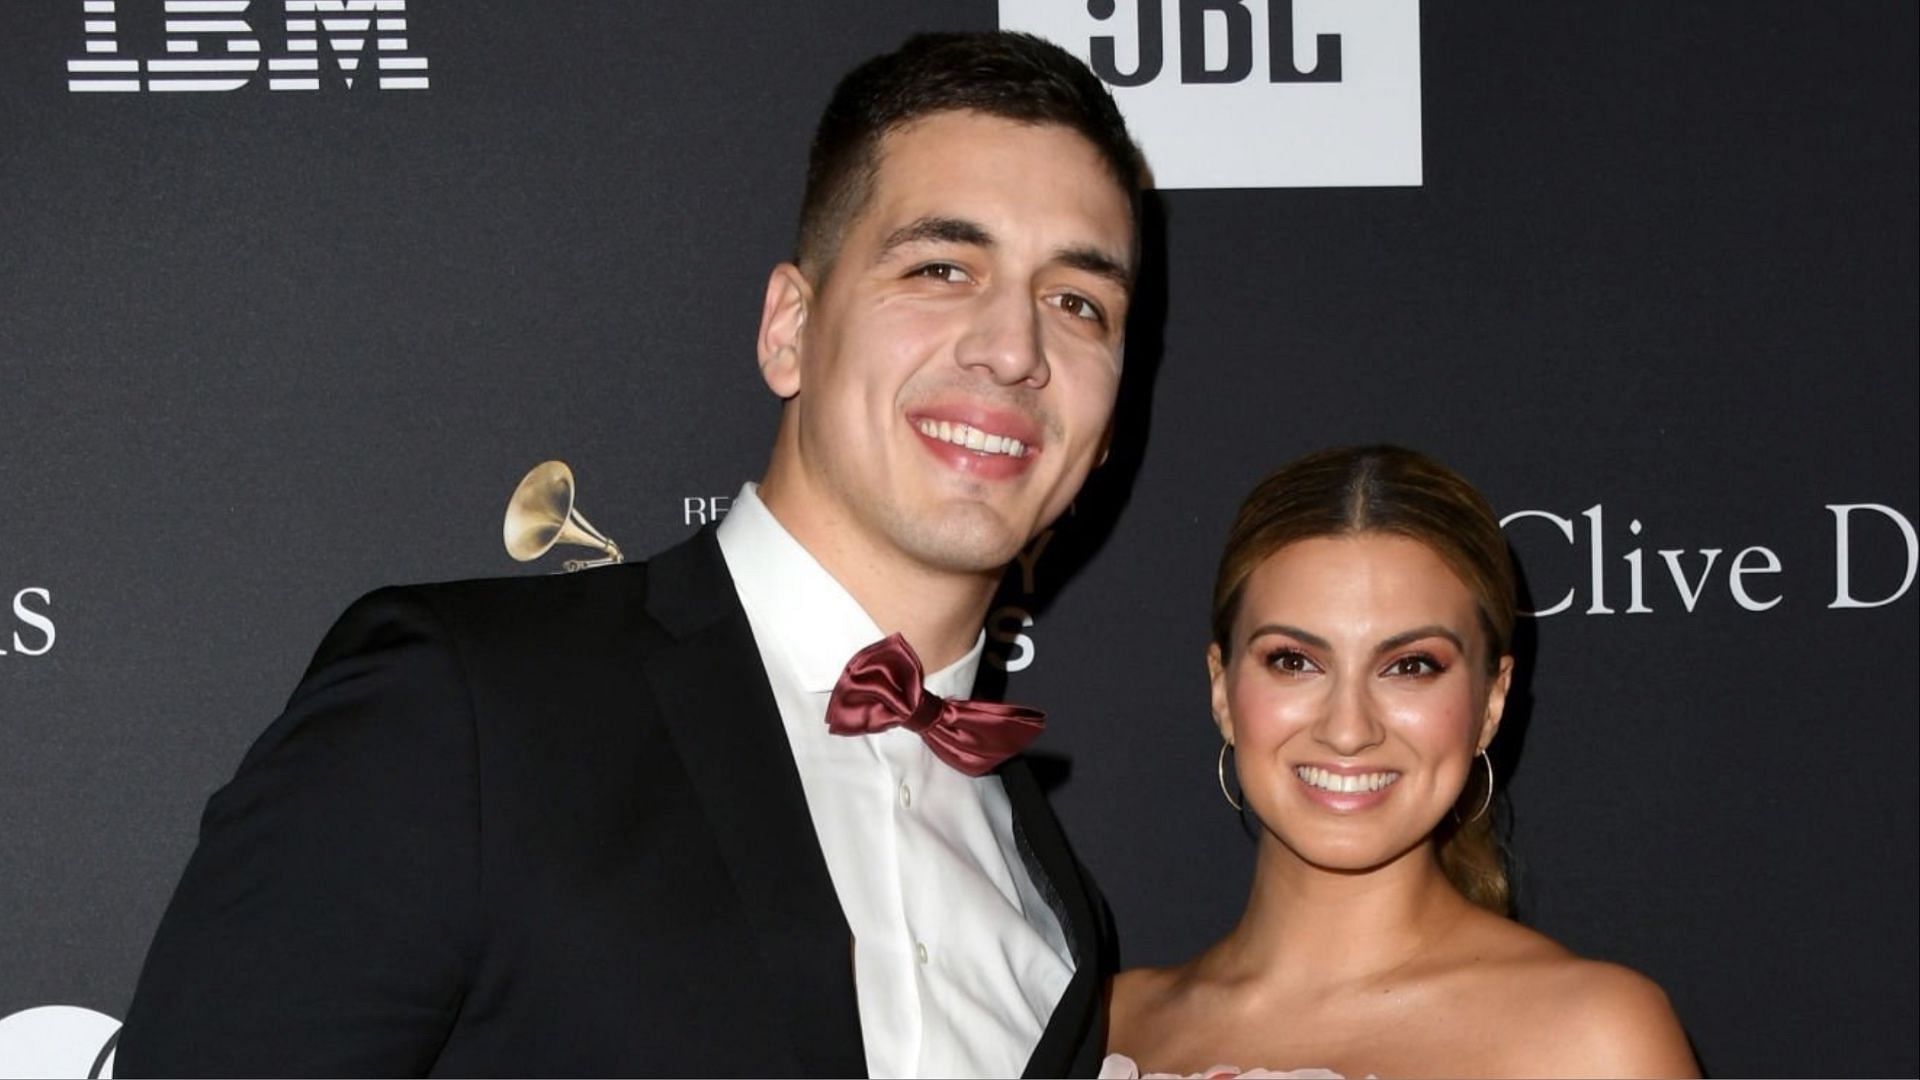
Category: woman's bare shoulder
[1579,1017]
[1153,1012]
[1545,1011]
[1137,991]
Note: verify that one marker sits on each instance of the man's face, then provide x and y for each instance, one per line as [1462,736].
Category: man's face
[951,381]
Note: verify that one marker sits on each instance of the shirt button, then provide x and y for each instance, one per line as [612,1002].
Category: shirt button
[920,951]
[906,796]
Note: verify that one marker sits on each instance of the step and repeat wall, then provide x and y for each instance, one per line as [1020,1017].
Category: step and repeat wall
[293,293]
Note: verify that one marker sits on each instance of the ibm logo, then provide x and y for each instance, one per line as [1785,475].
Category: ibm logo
[212,46]
[1253,93]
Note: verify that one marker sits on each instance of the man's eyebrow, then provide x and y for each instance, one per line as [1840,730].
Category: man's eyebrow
[1092,260]
[935,229]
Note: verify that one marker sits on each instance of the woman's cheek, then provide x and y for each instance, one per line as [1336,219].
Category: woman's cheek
[1437,722]
[1266,712]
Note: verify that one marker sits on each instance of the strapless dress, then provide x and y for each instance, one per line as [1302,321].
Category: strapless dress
[1122,1067]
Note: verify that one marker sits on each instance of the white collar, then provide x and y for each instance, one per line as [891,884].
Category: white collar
[815,623]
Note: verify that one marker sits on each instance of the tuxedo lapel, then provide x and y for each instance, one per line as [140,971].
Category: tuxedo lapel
[720,714]
[1071,1043]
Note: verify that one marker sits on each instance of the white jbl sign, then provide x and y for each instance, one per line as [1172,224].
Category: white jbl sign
[1253,93]
[212,46]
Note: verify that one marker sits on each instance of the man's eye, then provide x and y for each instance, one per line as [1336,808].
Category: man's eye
[942,272]
[1080,307]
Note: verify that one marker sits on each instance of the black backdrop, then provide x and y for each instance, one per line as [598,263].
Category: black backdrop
[261,351]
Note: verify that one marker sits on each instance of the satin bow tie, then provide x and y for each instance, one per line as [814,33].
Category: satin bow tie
[883,687]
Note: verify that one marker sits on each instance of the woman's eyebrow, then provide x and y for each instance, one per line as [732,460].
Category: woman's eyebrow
[1408,637]
[1314,640]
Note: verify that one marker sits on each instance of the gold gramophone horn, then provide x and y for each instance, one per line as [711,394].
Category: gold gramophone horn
[541,514]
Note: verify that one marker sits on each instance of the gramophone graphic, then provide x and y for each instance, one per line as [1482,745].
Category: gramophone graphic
[541,514]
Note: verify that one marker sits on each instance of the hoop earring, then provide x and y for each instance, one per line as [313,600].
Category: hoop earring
[1221,771]
[1488,801]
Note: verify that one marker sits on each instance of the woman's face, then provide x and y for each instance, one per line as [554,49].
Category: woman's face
[1356,696]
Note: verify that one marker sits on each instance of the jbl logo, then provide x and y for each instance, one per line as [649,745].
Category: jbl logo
[1215,44]
[1253,93]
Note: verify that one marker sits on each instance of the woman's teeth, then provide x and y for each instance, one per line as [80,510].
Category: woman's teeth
[1345,784]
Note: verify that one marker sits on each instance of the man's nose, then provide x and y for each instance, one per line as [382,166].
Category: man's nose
[1350,724]
[1004,339]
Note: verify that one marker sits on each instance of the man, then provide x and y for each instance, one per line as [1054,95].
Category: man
[620,821]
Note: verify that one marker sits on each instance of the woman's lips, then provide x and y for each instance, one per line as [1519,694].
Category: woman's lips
[1345,790]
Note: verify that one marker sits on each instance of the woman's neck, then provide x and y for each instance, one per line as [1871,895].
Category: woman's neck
[1306,925]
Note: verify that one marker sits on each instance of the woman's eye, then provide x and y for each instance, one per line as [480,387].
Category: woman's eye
[1415,666]
[1080,307]
[942,272]
[1290,661]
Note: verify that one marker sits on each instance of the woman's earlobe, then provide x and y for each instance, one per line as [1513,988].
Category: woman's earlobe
[1496,701]
[1217,679]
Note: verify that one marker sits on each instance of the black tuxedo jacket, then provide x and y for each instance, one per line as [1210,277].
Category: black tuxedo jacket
[538,826]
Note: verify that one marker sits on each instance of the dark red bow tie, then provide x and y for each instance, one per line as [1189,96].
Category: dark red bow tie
[883,687]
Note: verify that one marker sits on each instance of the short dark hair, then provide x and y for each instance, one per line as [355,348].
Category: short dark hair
[1006,74]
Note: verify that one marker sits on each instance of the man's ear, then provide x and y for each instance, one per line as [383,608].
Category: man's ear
[783,316]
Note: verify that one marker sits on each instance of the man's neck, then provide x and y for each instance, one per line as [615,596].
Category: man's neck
[938,612]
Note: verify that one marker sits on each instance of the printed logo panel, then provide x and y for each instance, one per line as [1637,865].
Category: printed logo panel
[217,45]
[1253,93]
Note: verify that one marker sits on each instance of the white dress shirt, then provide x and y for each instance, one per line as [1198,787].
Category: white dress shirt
[958,960]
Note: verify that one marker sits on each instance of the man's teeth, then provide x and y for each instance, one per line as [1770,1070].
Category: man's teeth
[972,438]
[1345,784]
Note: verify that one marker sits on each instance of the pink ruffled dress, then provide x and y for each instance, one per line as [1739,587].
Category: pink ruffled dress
[1122,1067]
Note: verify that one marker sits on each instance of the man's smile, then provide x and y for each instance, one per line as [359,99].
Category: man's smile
[972,438]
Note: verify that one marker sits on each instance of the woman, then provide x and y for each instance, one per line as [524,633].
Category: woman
[1362,627]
